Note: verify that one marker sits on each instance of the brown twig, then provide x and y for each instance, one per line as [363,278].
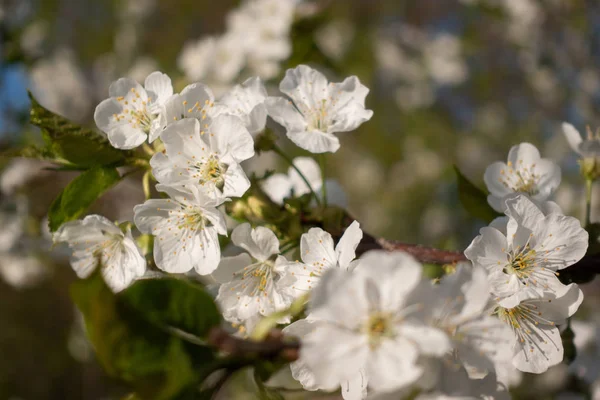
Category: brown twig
[424,254]
[276,346]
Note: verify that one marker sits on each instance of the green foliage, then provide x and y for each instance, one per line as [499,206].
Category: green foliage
[69,143]
[81,193]
[473,199]
[132,347]
[175,303]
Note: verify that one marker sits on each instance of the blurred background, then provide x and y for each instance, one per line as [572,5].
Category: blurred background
[452,83]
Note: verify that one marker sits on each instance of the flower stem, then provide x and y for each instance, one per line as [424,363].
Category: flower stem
[280,152]
[588,201]
[146,184]
[323,185]
[147,149]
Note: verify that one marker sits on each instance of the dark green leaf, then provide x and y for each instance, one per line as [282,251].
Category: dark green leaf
[158,365]
[69,141]
[174,303]
[473,199]
[81,193]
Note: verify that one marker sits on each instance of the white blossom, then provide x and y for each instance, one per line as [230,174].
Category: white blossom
[455,384]
[207,157]
[585,147]
[186,229]
[249,286]
[366,326]
[195,101]
[318,109]
[280,186]
[534,319]
[134,113]
[97,241]
[525,172]
[196,57]
[459,305]
[528,253]
[246,101]
[318,255]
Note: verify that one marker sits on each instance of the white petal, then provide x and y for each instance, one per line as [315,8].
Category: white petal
[159,87]
[314,141]
[300,370]
[173,251]
[121,134]
[346,247]
[316,249]
[573,136]
[229,266]
[283,112]
[152,214]
[355,388]
[277,187]
[334,354]
[525,153]
[393,365]
[539,356]
[123,86]
[236,182]
[206,251]
[493,178]
[486,249]
[228,135]
[126,137]
[260,242]
[562,239]
[257,119]
[387,269]
[349,106]
[305,85]
[429,340]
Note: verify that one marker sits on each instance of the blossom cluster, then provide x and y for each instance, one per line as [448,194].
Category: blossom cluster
[257,37]
[375,325]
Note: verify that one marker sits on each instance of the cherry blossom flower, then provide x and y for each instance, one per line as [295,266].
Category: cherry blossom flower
[207,157]
[534,319]
[97,241]
[319,255]
[246,101]
[249,281]
[186,229]
[318,109]
[195,101]
[134,113]
[525,172]
[281,186]
[366,326]
[455,384]
[458,304]
[588,147]
[531,250]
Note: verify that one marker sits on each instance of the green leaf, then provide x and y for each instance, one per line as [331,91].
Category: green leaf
[69,141]
[81,193]
[473,199]
[157,364]
[174,303]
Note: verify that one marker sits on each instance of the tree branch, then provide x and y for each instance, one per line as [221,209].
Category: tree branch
[276,346]
[428,255]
